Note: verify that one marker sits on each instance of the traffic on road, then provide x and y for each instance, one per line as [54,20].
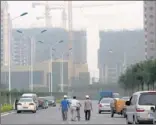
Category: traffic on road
[139,108]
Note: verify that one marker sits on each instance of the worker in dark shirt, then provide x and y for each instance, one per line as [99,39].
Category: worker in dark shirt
[64,108]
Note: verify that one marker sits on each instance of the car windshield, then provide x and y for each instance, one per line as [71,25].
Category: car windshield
[26,96]
[147,99]
[25,100]
[105,100]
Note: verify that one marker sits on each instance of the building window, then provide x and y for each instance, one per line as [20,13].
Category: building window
[151,32]
[152,48]
[145,35]
[145,29]
[145,22]
[151,8]
[151,24]
[151,16]
[152,41]
[145,49]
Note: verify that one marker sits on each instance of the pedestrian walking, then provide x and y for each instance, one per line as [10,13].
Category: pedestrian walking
[78,110]
[64,108]
[87,108]
[75,108]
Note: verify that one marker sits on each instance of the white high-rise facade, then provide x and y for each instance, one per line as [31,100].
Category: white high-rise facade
[150,29]
[6,33]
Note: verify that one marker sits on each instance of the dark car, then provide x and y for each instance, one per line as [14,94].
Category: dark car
[43,103]
[51,100]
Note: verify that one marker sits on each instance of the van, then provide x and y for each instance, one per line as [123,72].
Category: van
[31,95]
[139,107]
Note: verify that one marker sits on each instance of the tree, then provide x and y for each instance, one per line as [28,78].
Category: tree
[141,74]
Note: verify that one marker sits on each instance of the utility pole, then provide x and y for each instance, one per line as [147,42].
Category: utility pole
[47,15]
[70,26]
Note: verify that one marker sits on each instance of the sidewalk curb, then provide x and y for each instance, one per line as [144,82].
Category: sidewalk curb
[7,113]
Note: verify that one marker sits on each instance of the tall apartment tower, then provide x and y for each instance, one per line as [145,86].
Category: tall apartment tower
[6,29]
[150,29]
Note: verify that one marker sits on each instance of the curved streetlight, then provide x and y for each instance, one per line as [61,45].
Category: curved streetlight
[32,62]
[51,55]
[61,68]
[21,15]
[9,54]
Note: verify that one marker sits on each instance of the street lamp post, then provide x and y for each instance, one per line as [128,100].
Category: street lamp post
[32,57]
[9,56]
[51,56]
[62,71]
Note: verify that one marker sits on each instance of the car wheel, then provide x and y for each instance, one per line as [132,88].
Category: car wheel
[18,111]
[34,111]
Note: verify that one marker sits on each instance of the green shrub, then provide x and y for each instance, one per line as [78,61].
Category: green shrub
[6,108]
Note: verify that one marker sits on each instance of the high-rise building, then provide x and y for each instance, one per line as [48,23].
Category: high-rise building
[42,50]
[20,47]
[6,29]
[79,47]
[117,52]
[150,29]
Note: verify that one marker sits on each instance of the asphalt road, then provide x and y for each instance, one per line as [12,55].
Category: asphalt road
[52,115]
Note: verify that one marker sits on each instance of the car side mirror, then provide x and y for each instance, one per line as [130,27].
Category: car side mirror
[128,103]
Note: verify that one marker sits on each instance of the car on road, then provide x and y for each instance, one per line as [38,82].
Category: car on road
[139,107]
[31,95]
[51,100]
[104,105]
[26,104]
[43,103]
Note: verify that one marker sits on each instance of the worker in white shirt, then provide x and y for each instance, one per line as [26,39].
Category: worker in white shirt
[75,104]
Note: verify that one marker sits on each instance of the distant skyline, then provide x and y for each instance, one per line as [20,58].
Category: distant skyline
[124,16]
[117,17]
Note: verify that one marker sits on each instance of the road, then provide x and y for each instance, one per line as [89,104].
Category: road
[52,115]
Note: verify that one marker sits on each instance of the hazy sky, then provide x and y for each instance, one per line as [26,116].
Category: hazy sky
[121,15]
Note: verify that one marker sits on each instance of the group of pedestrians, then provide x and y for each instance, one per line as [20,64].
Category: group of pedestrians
[74,106]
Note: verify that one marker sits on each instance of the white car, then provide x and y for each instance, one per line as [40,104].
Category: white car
[139,107]
[26,104]
[104,105]
[31,95]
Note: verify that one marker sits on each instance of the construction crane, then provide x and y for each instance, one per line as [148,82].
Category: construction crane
[49,7]
[47,16]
